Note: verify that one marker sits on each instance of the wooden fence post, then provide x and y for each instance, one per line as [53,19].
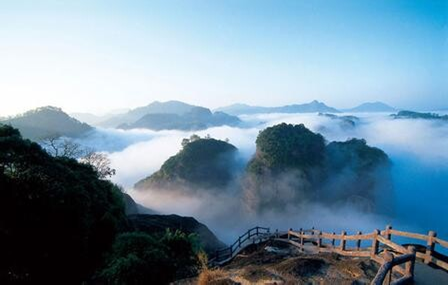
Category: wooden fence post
[276,233]
[374,249]
[319,240]
[333,240]
[358,242]
[409,266]
[388,257]
[343,241]
[387,234]
[302,241]
[430,247]
[289,233]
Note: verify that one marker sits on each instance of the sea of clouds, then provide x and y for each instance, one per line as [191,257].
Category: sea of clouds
[418,150]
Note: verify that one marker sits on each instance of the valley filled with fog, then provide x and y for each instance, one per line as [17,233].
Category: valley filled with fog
[417,149]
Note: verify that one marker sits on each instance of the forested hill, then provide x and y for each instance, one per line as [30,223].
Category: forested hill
[292,164]
[203,163]
[418,115]
[47,122]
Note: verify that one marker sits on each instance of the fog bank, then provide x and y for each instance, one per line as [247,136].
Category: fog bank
[418,150]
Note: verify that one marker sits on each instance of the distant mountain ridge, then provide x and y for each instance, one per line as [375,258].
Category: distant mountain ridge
[156,107]
[312,107]
[47,122]
[369,107]
[198,118]
[170,115]
[93,119]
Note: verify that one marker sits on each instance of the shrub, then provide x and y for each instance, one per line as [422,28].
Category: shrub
[139,258]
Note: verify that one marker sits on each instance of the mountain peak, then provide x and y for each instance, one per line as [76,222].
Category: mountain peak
[43,109]
[47,121]
[312,107]
[376,106]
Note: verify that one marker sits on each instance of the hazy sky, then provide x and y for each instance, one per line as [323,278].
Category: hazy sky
[100,55]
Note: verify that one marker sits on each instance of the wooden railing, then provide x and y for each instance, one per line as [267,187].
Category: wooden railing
[388,262]
[384,274]
[251,235]
[393,257]
[430,255]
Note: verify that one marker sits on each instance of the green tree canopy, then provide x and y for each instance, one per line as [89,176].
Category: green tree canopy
[201,162]
[57,218]
[354,153]
[287,146]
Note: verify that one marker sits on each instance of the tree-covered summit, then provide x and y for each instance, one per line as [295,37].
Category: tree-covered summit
[293,165]
[202,162]
[287,146]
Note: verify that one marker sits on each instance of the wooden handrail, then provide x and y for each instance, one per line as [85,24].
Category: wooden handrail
[391,244]
[442,242]
[380,249]
[385,270]
[347,237]
[409,235]
[228,252]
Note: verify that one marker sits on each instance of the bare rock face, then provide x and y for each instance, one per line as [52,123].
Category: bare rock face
[159,223]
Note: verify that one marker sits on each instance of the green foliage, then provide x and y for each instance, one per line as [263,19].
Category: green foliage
[201,162]
[193,137]
[354,153]
[287,146]
[57,218]
[293,159]
[139,258]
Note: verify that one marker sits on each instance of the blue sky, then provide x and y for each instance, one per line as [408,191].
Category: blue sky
[101,55]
